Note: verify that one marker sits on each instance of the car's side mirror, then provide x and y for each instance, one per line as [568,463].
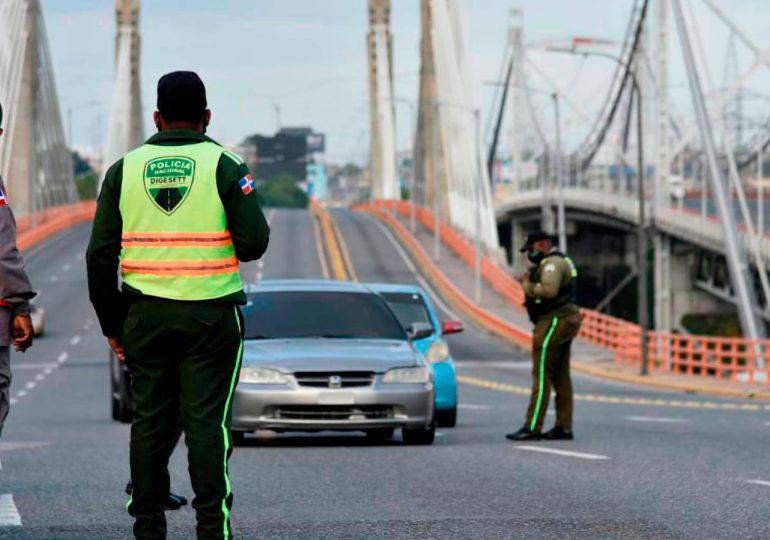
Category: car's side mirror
[418,331]
[451,327]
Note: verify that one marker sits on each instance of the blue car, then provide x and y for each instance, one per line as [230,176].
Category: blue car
[412,305]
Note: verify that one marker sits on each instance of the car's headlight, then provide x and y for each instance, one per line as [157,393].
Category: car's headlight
[438,352]
[411,375]
[256,375]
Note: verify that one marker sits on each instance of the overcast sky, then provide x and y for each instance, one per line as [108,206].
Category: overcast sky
[308,57]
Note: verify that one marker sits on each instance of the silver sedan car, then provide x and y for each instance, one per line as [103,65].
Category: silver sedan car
[326,355]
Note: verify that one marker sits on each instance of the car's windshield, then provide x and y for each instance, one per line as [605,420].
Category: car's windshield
[327,314]
[409,308]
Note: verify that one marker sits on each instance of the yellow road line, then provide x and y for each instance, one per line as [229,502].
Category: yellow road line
[332,246]
[344,250]
[320,247]
[617,400]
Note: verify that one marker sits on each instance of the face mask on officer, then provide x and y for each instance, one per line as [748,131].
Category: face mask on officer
[535,256]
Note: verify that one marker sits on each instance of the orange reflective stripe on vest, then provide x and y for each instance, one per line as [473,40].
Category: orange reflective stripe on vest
[176,239]
[181,268]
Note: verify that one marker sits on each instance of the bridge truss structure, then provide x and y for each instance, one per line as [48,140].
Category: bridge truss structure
[34,159]
[734,232]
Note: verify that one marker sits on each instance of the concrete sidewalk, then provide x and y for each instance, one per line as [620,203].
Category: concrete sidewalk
[587,357]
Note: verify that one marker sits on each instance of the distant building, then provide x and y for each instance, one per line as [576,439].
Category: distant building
[288,152]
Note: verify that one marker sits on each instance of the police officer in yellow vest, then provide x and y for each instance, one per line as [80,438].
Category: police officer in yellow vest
[177,215]
[550,303]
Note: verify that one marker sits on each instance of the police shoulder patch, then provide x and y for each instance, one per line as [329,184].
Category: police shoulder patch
[550,267]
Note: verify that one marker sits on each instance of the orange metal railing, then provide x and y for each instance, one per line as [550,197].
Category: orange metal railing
[733,359]
[51,221]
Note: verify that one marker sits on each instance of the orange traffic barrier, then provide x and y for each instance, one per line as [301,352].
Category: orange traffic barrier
[52,221]
[735,359]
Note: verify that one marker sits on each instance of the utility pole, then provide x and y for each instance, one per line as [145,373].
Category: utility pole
[641,256]
[560,217]
[436,182]
[479,179]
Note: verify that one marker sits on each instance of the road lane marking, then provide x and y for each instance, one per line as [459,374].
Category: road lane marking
[658,419]
[758,482]
[767,424]
[9,514]
[13,401]
[31,365]
[62,357]
[260,264]
[89,323]
[22,445]
[21,393]
[319,247]
[66,267]
[75,340]
[39,377]
[54,279]
[30,385]
[472,407]
[565,453]
[413,269]
[615,400]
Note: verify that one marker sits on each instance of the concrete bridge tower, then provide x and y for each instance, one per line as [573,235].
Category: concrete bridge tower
[34,159]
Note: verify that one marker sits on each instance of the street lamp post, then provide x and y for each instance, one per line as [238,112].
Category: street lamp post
[436,203]
[560,216]
[413,179]
[641,231]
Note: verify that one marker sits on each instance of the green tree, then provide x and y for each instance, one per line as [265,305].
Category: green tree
[282,192]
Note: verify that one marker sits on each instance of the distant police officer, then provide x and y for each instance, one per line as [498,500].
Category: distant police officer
[15,293]
[550,303]
[178,214]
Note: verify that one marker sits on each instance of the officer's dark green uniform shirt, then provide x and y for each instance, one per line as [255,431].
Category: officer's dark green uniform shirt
[245,221]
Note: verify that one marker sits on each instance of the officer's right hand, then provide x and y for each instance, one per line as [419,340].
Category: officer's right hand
[23,332]
[117,348]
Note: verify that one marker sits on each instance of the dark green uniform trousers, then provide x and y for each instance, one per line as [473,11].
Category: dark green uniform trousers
[184,359]
[552,340]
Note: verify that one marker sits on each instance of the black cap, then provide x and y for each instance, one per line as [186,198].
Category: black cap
[535,236]
[181,96]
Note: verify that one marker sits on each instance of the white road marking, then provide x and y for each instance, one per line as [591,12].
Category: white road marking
[658,419]
[260,264]
[22,445]
[66,267]
[31,365]
[49,370]
[472,407]
[54,279]
[21,393]
[39,377]
[30,385]
[758,482]
[423,283]
[62,357]
[440,434]
[259,275]
[565,453]
[9,515]
[767,424]
[13,401]
[80,256]
[89,323]
[75,340]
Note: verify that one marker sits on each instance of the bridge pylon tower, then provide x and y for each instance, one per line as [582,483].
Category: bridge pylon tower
[449,161]
[126,127]
[34,159]
[384,172]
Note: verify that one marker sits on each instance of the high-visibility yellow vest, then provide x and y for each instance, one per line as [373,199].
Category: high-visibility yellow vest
[175,240]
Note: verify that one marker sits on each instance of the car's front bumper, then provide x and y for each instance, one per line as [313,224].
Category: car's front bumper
[293,407]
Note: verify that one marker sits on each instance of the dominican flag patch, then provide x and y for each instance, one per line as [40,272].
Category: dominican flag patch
[247,184]
[3,198]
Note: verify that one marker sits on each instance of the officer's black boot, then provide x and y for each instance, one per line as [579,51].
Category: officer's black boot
[175,502]
[559,434]
[524,434]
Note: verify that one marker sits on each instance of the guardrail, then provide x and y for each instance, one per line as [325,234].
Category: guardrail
[720,357]
[52,221]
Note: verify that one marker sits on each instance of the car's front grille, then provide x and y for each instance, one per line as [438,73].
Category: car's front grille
[334,379]
[333,412]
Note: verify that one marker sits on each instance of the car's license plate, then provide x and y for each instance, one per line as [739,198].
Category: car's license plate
[336,398]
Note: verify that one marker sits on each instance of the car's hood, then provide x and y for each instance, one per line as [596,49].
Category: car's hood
[290,355]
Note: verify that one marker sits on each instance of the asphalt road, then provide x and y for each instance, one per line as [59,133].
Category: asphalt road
[672,470]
